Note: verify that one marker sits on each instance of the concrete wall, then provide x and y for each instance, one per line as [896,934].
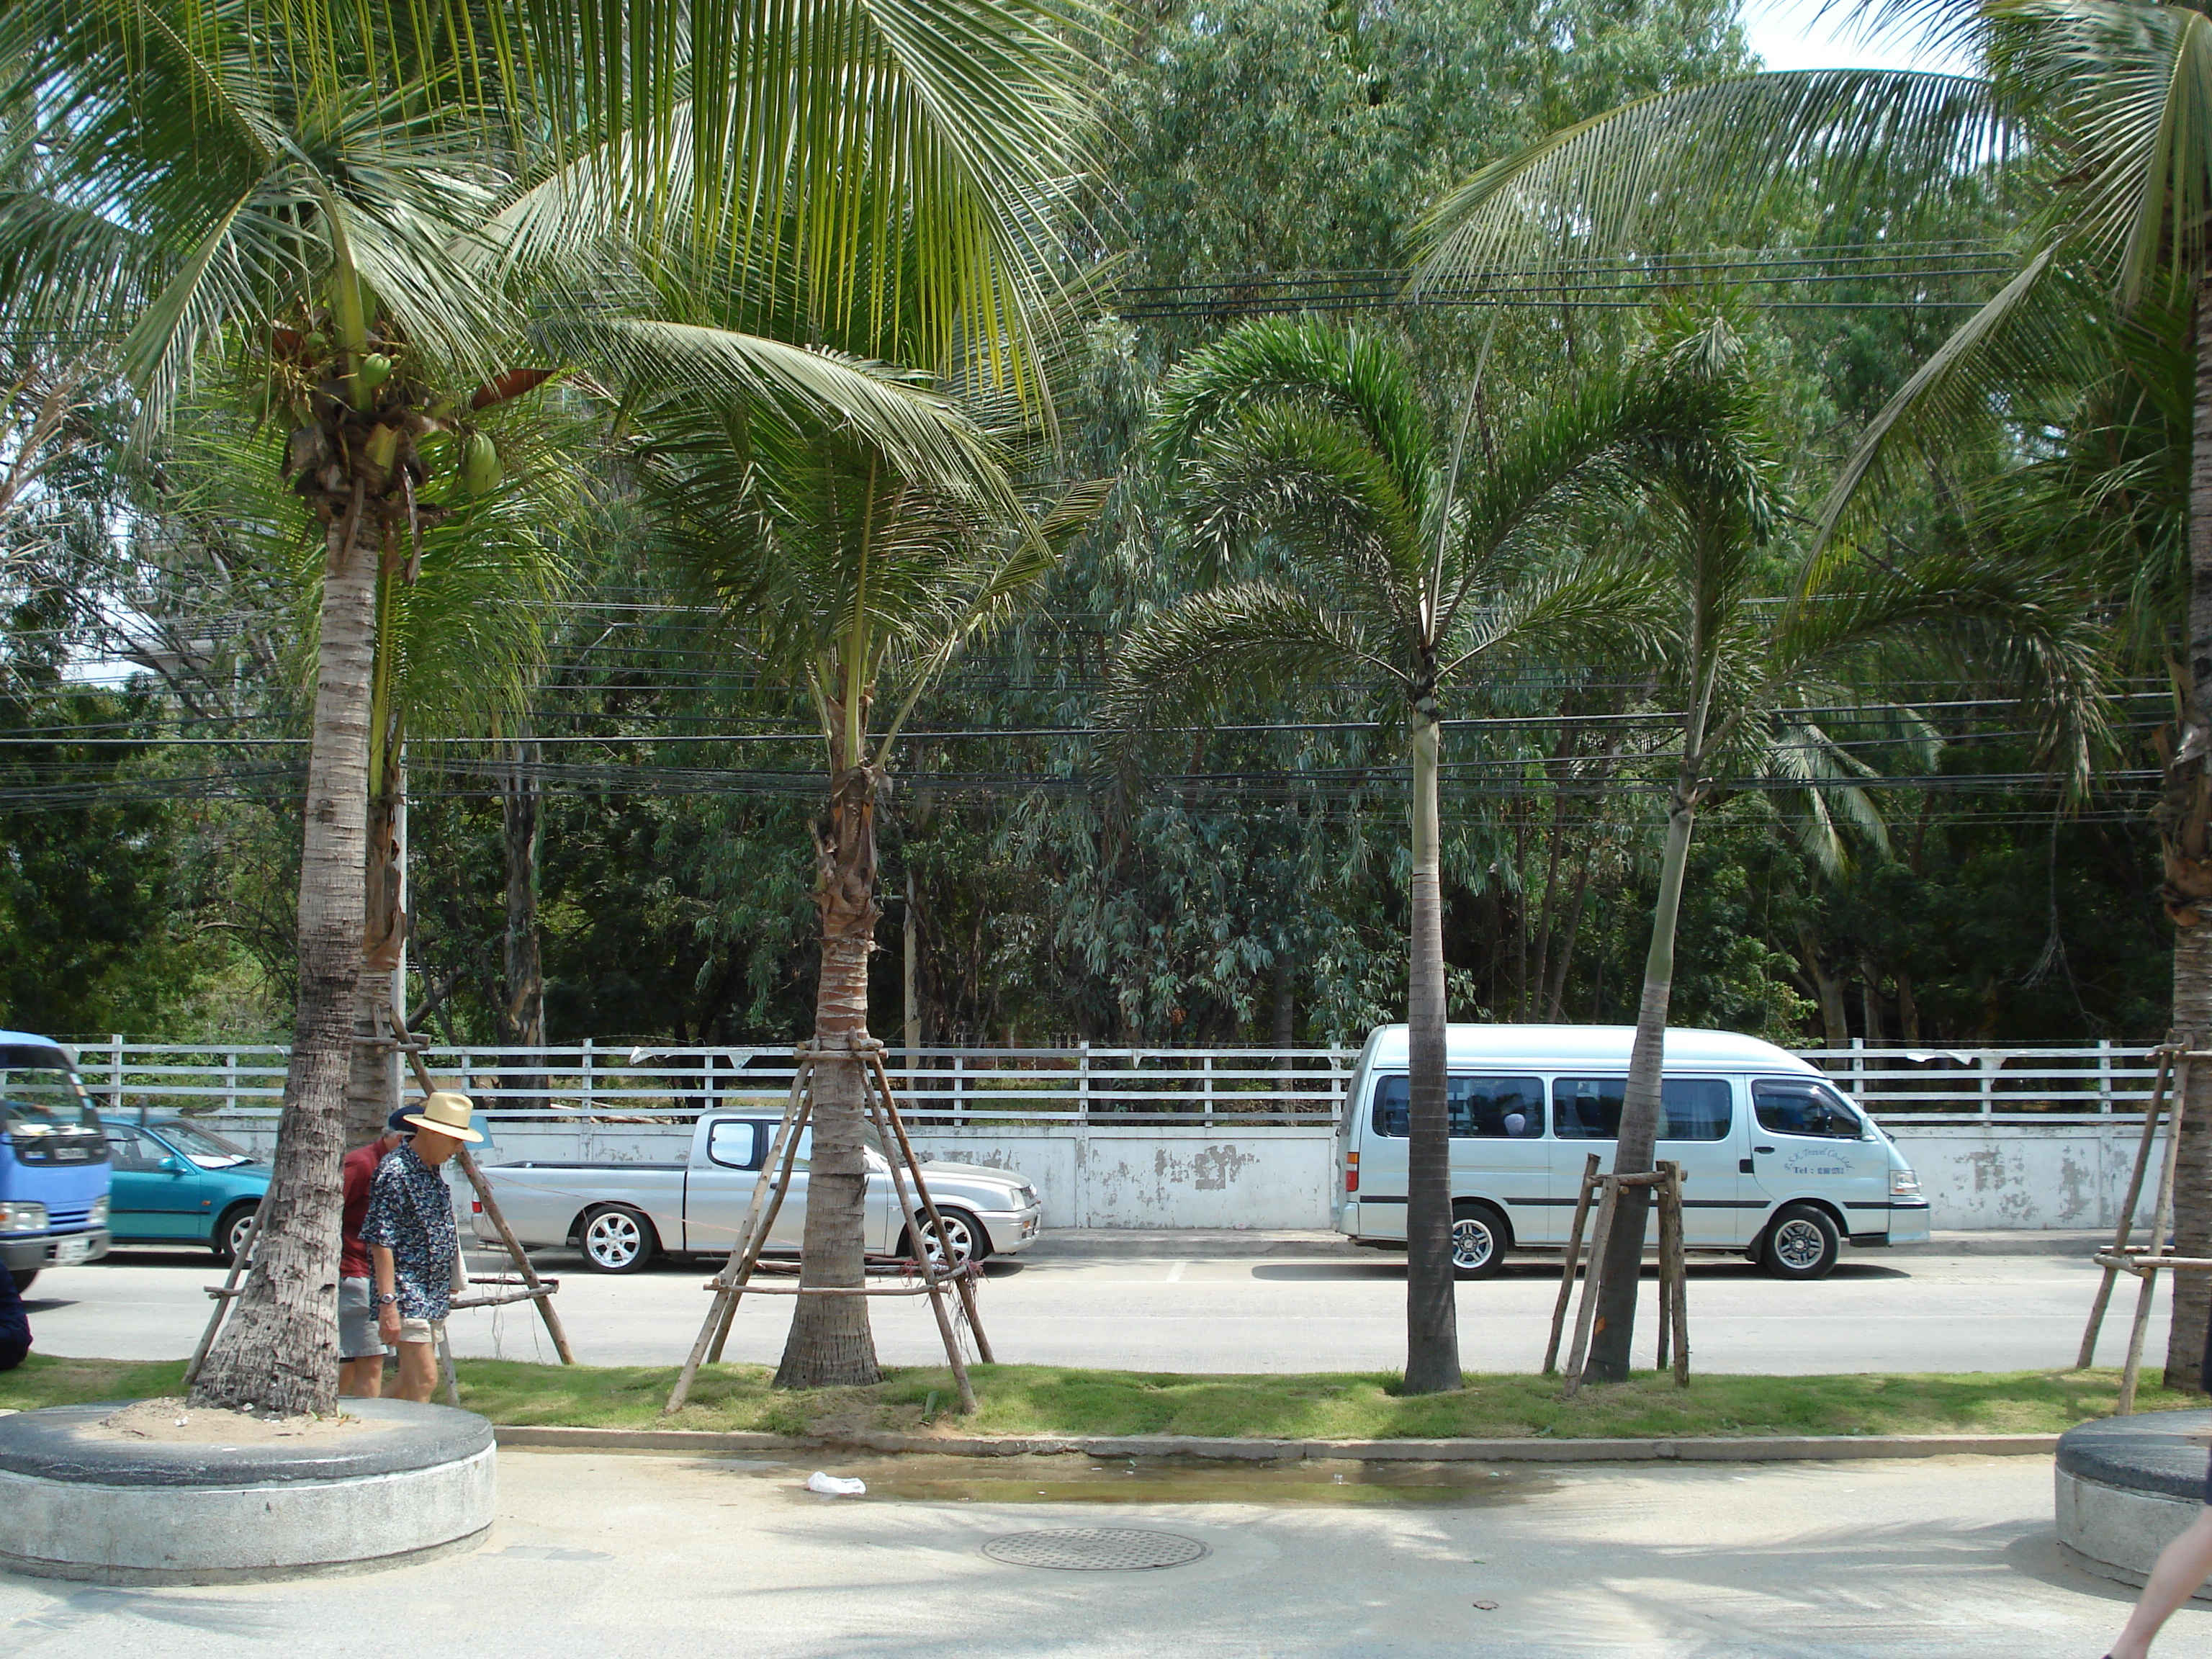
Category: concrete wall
[1982,1175]
[1977,1176]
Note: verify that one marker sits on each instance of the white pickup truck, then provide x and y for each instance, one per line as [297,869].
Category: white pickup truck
[622,1216]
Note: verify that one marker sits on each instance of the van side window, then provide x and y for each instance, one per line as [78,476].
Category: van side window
[1792,1106]
[1690,1108]
[1480,1108]
[735,1144]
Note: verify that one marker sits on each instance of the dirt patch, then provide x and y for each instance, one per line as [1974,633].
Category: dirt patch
[173,1420]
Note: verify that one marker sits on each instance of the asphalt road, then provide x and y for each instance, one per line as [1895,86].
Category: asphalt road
[598,1556]
[1232,1303]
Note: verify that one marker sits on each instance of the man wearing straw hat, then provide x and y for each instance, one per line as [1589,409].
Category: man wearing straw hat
[412,1246]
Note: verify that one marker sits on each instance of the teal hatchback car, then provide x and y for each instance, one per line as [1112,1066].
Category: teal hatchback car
[177,1183]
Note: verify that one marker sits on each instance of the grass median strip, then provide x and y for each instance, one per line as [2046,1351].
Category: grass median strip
[1034,1399]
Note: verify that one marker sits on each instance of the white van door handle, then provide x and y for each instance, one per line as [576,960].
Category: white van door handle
[1762,1149]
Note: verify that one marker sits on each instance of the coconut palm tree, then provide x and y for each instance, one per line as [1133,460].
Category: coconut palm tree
[847,575]
[2091,129]
[1400,563]
[346,204]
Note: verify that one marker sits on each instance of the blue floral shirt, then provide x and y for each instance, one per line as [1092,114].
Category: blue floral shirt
[410,1214]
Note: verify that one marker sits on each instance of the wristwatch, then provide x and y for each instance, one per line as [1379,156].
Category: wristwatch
[387,1298]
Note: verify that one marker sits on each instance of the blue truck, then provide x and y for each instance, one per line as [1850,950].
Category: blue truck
[55,1176]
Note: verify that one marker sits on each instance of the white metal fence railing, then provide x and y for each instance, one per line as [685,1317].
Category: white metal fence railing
[936,1085]
[1083,1084]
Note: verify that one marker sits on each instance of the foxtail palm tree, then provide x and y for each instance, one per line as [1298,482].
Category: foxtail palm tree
[1405,565]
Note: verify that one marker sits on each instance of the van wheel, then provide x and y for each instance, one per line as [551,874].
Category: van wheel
[1801,1242]
[617,1239]
[1478,1240]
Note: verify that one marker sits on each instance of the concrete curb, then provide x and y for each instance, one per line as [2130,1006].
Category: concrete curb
[1750,1449]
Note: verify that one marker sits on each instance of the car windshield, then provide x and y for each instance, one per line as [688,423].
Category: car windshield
[44,1100]
[204,1147]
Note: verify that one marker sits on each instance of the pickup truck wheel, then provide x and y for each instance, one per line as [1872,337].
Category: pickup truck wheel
[968,1242]
[229,1234]
[617,1239]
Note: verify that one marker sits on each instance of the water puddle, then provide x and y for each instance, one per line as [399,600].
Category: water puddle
[1287,1484]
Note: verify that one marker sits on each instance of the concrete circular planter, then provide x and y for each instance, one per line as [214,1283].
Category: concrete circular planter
[2127,1487]
[76,1504]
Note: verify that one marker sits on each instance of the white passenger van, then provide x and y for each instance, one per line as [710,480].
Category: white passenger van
[1776,1162]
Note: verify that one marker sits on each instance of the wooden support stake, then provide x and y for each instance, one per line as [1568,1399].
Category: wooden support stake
[2161,1218]
[1666,1279]
[445,1364]
[752,1233]
[1567,1272]
[413,1052]
[1676,1288]
[2089,1332]
[1592,1282]
[966,1283]
[226,1295]
[931,1276]
[763,1229]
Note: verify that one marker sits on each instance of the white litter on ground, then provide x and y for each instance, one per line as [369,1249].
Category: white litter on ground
[834,1486]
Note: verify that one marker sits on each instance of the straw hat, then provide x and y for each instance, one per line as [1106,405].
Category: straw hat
[446,1114]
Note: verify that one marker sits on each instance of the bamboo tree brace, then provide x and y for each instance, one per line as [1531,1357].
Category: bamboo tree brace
[737,1273]
[534,1289]
[2175,1057]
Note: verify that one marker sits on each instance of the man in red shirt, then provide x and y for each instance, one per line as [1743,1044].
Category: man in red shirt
[360,1350]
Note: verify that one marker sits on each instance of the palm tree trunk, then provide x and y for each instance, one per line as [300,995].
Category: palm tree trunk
[522,1020]
[279,1348]
[1431,1308]
[2184,822]
[1615,1328]
[831,1344]
[372,1079]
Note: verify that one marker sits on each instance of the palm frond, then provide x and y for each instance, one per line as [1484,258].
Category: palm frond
[1248,641]
[1723,158]
[1360,378]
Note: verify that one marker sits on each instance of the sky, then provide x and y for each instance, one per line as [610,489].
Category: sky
[1791,34]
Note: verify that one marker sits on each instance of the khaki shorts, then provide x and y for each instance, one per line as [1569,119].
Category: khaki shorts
[416,1330]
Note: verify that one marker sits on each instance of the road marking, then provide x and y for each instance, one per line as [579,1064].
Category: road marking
[1175,1272]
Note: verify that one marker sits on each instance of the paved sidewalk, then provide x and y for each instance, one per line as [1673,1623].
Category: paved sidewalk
[602,1557]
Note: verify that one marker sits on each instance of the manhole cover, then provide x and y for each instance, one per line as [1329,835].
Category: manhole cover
[1095,1549]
